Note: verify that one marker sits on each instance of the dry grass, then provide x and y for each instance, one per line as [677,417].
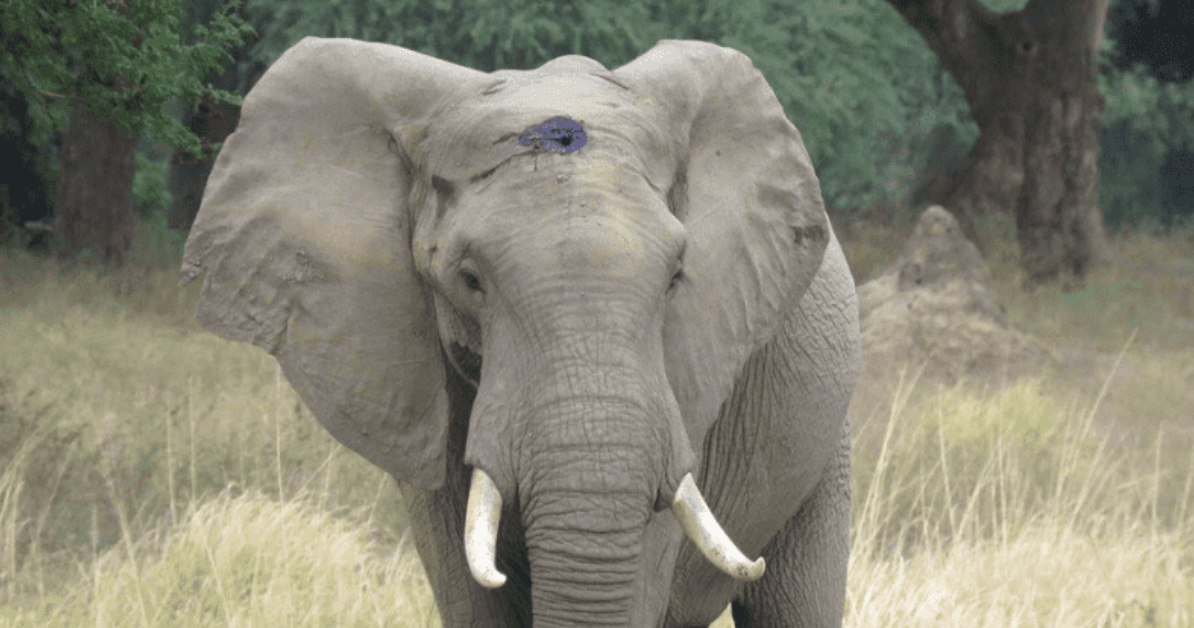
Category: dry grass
[244,561]
[1045,576]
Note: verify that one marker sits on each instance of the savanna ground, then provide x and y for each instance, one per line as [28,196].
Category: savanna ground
[152,474]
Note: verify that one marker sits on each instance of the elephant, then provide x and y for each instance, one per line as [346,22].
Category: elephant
[595,323]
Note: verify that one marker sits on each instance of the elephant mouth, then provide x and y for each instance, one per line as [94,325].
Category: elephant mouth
[688,507]
[467,362]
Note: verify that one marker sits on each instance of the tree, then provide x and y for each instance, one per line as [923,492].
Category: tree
[209,118]
[1029,79]
[1146,157]
[111,68]
[25,190]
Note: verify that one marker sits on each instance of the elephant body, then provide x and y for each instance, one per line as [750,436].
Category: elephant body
[559,307]
[777,474]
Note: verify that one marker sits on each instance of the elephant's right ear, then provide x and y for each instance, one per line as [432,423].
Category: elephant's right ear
[304,232]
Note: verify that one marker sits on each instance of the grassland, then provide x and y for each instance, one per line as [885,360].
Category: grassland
[152,474]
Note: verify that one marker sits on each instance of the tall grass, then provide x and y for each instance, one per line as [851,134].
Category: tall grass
[152,474]
[1008,508]
[245,561]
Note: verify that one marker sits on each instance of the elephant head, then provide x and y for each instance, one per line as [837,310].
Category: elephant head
[596,252]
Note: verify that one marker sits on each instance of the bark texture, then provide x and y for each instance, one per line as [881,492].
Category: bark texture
[1029,79]
[95,187]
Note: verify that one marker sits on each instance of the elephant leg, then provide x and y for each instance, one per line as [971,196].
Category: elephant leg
[437,526]
[805,584]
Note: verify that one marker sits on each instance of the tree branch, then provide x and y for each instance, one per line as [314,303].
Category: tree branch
[974,44]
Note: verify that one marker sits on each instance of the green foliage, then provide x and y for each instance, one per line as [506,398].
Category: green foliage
[831,66]
[124,59]
[1129,175]
[1144,121]
[1004,6]
[483,34]
[155,245]
[150,193]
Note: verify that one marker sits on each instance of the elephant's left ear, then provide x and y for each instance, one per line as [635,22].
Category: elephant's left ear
[745,189]
[305,235]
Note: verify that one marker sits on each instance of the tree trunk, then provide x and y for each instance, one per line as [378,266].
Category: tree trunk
[1029,79]
[95,187]
[1058,223]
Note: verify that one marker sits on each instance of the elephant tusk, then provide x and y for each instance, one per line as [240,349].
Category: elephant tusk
[481,528]
[694,516]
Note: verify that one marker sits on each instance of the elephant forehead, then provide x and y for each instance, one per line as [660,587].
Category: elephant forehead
[606,208]
[472,137]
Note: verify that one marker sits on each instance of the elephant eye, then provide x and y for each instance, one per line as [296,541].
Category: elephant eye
[676,279]
[471,281]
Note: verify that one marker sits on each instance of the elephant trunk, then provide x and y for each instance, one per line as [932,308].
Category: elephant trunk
[585,544]
[582,578]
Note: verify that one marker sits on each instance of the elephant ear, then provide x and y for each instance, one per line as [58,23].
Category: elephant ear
[745,189]
[304,233]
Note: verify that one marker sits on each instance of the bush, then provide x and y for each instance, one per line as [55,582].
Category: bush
[151,194]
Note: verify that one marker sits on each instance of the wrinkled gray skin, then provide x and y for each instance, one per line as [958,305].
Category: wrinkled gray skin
[586,325]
